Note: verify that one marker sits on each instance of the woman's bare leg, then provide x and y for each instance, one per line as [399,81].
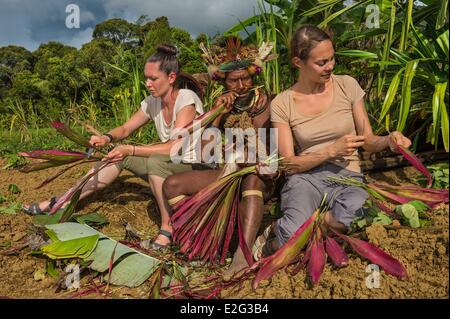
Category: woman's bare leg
[104,178]
[156,185]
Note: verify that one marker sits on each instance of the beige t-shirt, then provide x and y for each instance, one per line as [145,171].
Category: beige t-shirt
[313,133]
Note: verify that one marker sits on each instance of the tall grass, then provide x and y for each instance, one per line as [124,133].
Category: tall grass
[21,119]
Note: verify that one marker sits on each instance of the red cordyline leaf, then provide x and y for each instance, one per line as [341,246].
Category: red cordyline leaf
[288,253]
[335,252]
[415,161]
[65,169]
[229,233]
[204,223]
[69,194]
[54,155]
[431,197]
[389,195]
[317,258]
[71,134]
[376,255]
[303,260]
[384,206]
[33,167]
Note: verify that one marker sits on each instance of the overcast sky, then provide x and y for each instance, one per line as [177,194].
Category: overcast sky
[29,23]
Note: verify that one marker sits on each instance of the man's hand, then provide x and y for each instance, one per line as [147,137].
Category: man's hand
[227,100]
[265,172]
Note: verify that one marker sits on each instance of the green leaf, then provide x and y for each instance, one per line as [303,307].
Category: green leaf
[357,54]
[382,219]
[91,219]
[391,94]
[12,209]
[419,206]
[275,210]
[51,268]
[73,248]
[70,209]
[43,220]
[14,189]
[410,215]
[130,268]
[405,103]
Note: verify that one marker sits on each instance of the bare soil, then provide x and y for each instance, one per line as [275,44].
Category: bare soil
[424,252]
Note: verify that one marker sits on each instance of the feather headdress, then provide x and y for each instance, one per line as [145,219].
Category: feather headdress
[235,56]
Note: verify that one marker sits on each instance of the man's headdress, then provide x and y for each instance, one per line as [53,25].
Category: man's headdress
[235,56]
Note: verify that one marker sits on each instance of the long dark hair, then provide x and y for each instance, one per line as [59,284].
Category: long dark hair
[306,38]
[166,55]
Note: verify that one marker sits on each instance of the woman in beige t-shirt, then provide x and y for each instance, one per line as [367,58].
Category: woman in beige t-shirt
[321,122]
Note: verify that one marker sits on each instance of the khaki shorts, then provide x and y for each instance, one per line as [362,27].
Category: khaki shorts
[159,165]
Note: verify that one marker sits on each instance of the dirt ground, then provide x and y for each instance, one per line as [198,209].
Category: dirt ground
[424,252]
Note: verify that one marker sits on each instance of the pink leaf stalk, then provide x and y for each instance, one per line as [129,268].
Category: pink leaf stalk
[317,258]
[335,252]
[431,197]
[288,252]
[415,161]
[54,155]
[376,255]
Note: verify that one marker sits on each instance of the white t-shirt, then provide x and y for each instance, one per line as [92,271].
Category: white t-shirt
[151,107]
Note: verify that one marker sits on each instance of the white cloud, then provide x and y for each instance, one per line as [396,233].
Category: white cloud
[81,38]
[31,22]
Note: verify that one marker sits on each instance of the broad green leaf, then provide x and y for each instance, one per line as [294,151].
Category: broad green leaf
[89,219]
[131,268]
[73,248]
[101,257]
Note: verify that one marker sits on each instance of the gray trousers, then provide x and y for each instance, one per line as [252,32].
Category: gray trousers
[302,194]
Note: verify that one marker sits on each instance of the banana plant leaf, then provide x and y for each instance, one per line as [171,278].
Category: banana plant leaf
[130,267]
[73,248]
[92,219]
